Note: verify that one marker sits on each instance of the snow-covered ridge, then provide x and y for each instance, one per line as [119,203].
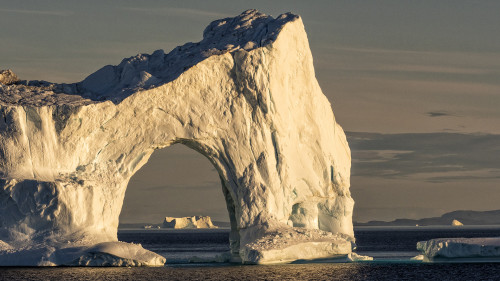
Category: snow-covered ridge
[247,31]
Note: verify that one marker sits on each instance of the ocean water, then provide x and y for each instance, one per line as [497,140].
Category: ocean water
[181,246]
[391,248]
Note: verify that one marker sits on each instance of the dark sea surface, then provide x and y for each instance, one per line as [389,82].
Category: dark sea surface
[392,249]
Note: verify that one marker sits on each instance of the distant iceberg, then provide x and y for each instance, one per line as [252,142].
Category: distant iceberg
[460,248]
[189,222]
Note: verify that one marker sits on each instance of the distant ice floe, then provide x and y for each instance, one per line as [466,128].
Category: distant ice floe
[458,249]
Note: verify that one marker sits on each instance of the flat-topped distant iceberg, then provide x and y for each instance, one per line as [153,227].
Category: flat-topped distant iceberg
[474,249]
[189,222]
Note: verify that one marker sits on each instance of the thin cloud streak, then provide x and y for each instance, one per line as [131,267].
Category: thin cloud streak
[35,12]
[441,114]
[405,52]
[159,11]
[410,61]
[431,157]
[430,69]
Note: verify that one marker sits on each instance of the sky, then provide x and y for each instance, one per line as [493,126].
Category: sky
[415,85]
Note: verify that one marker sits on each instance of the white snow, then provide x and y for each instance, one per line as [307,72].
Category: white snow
[452,248]
[189,222]
[246,97]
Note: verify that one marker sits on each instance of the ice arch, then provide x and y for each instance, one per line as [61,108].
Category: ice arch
[246,97]
[176,182]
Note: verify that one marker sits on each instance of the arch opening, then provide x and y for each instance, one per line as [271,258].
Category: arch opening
[178,181]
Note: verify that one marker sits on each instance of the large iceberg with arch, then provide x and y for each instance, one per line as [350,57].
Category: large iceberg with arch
[245,97]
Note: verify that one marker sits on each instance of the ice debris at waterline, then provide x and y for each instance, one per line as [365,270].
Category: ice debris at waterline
[189,222]
[486,249]
[100,254]
[245,97]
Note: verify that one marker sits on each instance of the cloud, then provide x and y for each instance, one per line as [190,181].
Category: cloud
[412,62]
[172,10]
[440,114]
[38,12]
[378,50]
[441,179]
[421,65]
[432,157]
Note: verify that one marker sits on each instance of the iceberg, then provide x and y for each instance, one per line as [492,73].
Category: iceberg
[245,96]
[460,248]
[189,222]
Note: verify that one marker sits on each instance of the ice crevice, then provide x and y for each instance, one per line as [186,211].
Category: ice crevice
[245,96]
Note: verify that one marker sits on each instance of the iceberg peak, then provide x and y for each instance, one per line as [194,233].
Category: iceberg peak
[247,31]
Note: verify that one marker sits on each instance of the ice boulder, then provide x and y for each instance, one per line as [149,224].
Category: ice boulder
[117,254]
[245,96]
[460,248]
[287,245]
[70,254]
[189,222]
[8,77]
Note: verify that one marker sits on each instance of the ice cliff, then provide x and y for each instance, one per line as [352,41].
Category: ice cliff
[245,97]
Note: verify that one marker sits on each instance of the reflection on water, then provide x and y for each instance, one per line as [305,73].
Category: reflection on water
[346,271]
[391,248]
